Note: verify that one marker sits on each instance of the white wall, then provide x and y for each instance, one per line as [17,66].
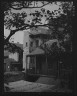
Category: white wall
[26,49]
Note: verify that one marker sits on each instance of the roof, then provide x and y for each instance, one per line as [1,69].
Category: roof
[39,30]
[40,51]
[37,51]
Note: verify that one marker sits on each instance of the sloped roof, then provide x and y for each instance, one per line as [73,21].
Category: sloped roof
[37,51]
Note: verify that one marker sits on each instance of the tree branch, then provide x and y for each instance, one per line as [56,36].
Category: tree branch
[28,6]
[12,32]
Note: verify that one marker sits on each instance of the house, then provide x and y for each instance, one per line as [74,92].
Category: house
[37,58]
[13,60]
[32,42]
[41,62]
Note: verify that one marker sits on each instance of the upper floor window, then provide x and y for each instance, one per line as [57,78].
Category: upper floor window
[26,44]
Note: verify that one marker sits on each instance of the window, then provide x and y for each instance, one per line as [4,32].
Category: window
[31,44]
[26,44]
[37,42]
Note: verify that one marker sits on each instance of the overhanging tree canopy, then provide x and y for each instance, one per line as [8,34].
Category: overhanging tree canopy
[14,20]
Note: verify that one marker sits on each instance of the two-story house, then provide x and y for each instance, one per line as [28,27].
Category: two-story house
[33,39]
[38,62]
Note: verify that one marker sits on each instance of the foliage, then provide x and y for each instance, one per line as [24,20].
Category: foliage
[62,30]
[60,19]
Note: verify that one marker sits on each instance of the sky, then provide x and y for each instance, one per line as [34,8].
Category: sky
[18,37]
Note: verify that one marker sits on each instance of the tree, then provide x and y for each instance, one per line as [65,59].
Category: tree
[58,20]
[63,27]
[18,21]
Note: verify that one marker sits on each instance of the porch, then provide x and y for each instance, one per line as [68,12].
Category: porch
[41,63]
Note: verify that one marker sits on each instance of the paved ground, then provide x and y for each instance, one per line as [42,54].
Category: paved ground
[47,80]
[25,86]
[16,83]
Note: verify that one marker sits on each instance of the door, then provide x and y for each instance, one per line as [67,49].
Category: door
[38,65]
[44,66]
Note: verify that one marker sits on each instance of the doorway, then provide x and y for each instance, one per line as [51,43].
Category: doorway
[41,66]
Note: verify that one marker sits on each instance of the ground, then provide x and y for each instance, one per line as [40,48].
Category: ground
[15,82]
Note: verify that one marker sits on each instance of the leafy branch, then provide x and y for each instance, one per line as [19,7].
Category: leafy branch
[27,6]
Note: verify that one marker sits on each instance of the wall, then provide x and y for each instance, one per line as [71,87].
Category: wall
[34,43]
[25,48]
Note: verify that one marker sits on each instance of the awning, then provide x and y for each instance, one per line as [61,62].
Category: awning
[37,51]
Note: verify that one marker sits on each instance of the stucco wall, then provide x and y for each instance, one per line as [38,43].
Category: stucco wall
[26,40]
[25,48]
